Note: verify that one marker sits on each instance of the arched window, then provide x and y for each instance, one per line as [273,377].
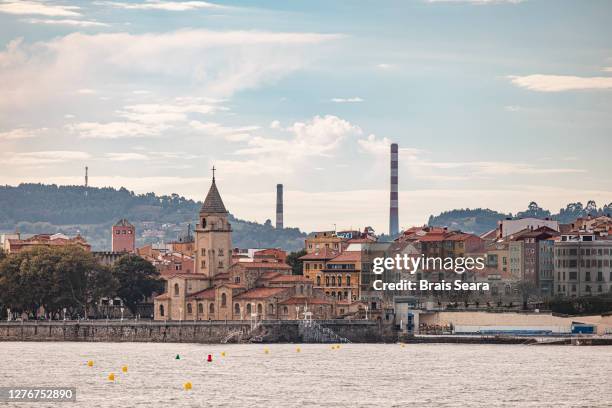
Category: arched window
[223,300]
[200,308]
[220,264]
[301,289]
[237,279]
[161,310]
[333,281]
[271,309]
[339,280]
[333,293]
[176,289]
[345,294]
[189,308]
[211,308]
[327,281]
[285,310]
[249,310]
[259,308]
[237,308]
[348,281]
[339,295]
[318,281]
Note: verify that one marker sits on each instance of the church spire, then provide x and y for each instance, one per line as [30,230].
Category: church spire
[213,202]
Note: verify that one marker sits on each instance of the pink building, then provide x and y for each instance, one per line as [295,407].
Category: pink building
[124,236]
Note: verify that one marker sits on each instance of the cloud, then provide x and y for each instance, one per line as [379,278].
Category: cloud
[164,5]
[512,108]
[607,69]
[68,22]
[115,130]
[382,146]
[560,83]
[126,156]
[317,137]
[38,8]
[22,133]
[275,124]
[213,63]
[232,134]
[385,66]
[43,157]
[347,100]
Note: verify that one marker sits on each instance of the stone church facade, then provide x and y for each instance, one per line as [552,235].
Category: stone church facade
[222,289]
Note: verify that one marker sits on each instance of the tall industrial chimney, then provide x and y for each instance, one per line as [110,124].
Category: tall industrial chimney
[393,203]
[279,206]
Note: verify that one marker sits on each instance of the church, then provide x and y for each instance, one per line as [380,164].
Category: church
[223,288]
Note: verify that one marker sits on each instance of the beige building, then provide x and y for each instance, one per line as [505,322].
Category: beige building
[221,289]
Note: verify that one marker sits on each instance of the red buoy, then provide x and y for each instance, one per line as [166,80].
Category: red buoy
[210,358]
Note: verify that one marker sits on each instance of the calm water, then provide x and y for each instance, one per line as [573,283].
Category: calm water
[372,375]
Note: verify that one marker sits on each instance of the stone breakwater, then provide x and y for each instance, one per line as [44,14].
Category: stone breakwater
[185,332]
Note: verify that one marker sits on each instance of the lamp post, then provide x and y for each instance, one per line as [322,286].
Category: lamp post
[64,314]
[122,309]
[8,315]
[366,308]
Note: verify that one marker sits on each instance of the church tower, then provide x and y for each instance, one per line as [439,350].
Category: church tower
[213,235]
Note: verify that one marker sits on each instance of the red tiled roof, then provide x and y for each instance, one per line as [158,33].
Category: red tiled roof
[220,276]
[320,254]
[353,256]
[163,296]
[264,265]
[260,293]
[203,294]
[432,237]
[461,237]
[186,275]
[269,275]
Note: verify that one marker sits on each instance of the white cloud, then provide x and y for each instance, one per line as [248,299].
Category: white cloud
[164,5]
[232,134]
[214,63]
[559,83]
[86,91]
[22,133]
[115,130]
[126,156]
[512,108]
[68,22]
[43,157]
[38,8]
[319,136]
[382,146]
[275,124]
[347,100]
[385,66]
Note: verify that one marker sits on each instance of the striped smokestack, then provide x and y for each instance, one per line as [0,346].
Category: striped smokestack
[279,206]
[393,204]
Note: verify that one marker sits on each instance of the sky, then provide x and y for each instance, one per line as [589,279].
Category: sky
[494,103]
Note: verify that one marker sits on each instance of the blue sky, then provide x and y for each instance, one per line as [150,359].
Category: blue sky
[493,103]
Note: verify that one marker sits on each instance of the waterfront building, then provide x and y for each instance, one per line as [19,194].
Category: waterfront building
[583,264]
[225,285]
[509,226]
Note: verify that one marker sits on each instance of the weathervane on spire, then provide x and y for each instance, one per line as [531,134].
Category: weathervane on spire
[213,170]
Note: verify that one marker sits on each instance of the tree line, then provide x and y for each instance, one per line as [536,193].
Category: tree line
[54,279]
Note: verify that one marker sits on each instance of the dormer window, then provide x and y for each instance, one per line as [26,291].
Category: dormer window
[203,222]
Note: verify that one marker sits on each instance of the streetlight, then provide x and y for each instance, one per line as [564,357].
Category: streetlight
[8,315]
[366,308]
[64,314]
[122,309]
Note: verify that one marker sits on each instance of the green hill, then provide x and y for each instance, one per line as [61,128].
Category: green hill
[481,220]
[39,208]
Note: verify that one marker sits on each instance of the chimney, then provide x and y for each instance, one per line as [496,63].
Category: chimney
[279,206]
[393,203]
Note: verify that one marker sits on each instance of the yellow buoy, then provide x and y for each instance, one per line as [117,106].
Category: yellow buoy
[298,349]
[333,347]
[223,354]
[90,363]
[124,369]
[187,386]
[403,345]
[338,347]
[266,351]
[111,377]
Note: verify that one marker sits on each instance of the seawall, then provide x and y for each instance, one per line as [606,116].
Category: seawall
[183,332]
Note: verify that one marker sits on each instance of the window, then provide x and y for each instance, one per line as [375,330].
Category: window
[573,287]
[248,308]
[301,289]
[176,289]
[259,308]
[587,276]
[327,281]
[203,264]
[117,232]
[333,281]
[348,281]
[285,310]
[237,308]
[237,279]
[189,308]
[318,281]
[223,300]
[203,252]
[200,308]
[271,309]
[573,275]
[220,251]
[220,264]
[161,310]
[211,308]
[339,280]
